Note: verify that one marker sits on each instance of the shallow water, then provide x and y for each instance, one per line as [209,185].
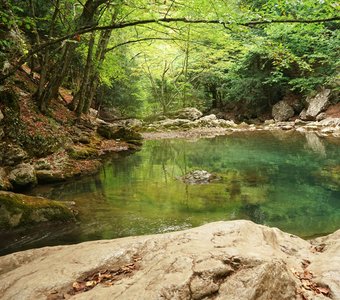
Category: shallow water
[287,180]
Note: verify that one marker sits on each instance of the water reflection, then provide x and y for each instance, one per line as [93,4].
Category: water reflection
[270,178]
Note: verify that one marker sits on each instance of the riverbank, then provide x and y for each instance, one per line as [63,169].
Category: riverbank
[222,260]
[38,148]
[329,127]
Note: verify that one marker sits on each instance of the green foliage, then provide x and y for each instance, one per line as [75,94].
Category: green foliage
[176,64]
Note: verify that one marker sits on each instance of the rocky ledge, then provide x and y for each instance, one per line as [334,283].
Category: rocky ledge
[21,210]
[223,260]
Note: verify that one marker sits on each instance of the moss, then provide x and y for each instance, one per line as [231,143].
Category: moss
[82,152]
[19,210]
[122,133]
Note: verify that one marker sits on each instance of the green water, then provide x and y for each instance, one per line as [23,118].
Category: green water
[290,181]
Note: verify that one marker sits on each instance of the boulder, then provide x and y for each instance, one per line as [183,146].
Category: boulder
[93,113]
[132,124]
[12,154]
[318,104]
[282,111]
[198,177]
[109,114]
[111,131]
[42,164]
[223,261]
[208,121]
[23,176]
[321,116]
[303,115]
[18,210]
[330,122]
[173,123]
[189,113]
[5,185]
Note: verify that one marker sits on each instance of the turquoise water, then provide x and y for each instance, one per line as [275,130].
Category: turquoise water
[287,180]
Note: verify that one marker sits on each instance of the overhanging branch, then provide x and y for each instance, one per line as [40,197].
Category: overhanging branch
[121,25]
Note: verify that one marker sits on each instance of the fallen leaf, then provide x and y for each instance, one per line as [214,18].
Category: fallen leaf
[323,290]
[78,286]
[91,283]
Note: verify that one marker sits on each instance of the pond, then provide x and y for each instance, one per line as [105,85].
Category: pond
[287,180]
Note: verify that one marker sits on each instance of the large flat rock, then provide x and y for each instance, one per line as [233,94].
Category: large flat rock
[223,260]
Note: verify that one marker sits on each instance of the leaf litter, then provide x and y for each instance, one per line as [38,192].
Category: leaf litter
[106,277]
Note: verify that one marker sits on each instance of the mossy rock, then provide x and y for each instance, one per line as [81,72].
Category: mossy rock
[82,152]
[117,132]
[10,98]
[19,210]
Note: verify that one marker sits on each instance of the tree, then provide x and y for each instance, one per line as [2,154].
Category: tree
[60,39]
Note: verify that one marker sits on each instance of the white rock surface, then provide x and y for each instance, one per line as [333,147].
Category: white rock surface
[223,260]
[318,103]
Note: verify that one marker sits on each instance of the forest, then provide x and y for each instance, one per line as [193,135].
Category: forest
[151,57]
[170,149]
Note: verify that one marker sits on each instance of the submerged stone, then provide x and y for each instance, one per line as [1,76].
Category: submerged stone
[198,177]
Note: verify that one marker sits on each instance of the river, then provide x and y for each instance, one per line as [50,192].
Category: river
[287,180]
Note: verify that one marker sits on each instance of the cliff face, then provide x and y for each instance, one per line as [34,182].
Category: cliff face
[223,260]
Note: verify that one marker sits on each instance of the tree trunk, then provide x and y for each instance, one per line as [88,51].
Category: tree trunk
[52,88]
[99,57]
[83,103]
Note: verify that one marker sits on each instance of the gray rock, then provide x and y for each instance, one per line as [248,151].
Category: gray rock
[12,154]
[300,122]
[133,124]
[84,139]
[303,115]
[189,113]
[282,111]
[111,131]
[1,115]
[321,116]
[23,176]
[330,122]
[109,114]
[223,261]
[318,104]
[93,113]
[170,123]
[51,176]
[212,121]
[5,185]
[42,164]
[209,118]
[269,122]
[198,177]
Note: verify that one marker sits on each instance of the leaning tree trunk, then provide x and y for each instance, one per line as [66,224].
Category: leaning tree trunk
[52,88]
